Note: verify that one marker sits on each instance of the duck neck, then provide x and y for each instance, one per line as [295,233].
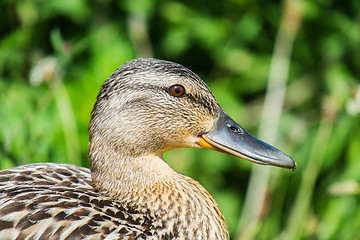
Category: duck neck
[146,184]
[123,176]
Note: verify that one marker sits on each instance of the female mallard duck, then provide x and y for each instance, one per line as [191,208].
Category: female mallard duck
[145,108]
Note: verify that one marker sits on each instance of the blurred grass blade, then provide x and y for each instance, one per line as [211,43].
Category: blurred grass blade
[302,203]
[272,109]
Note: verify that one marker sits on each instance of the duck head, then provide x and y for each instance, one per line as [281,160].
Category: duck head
[150,106]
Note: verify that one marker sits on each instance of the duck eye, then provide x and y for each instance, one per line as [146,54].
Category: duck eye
[177,90]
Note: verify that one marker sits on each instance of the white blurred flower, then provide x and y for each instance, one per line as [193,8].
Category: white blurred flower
[353,105]
[44,70]
[348,187]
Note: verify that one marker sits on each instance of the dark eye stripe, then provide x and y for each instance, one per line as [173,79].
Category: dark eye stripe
[205,102]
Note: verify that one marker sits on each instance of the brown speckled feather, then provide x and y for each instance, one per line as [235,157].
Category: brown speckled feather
[57,201]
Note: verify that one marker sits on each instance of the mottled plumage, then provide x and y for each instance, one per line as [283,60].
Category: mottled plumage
[57,201]
[131,192]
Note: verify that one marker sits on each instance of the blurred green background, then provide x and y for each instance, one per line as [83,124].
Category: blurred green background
[287,71]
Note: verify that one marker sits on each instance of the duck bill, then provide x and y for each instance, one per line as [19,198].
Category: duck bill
[228,137]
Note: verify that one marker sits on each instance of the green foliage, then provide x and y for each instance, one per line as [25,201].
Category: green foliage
[54,56]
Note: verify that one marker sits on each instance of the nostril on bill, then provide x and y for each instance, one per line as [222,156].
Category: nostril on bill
[234,129]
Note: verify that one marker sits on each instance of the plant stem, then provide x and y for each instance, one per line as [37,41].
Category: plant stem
[270,118]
